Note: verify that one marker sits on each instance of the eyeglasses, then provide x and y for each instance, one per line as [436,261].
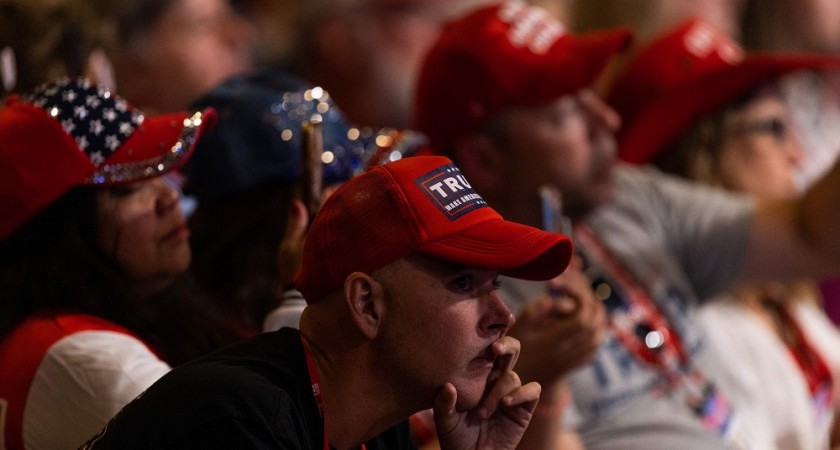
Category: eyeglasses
[774,126]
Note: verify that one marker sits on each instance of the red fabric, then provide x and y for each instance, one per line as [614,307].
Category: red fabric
[40,161]
[814,368]
[423,428]
[422,204]
[830,291]
[21,354]
[507,54]
[689,71]
[155,136]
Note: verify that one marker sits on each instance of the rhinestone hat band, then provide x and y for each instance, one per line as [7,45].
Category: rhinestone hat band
[118,173]
[100,123]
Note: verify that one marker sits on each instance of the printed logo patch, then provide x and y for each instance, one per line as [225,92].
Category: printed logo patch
[450,191]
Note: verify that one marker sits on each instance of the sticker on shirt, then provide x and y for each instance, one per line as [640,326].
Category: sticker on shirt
[450,191]
[822,403]
[700,395]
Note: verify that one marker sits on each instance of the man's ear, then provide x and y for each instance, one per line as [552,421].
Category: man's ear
[365,300]
[480,160]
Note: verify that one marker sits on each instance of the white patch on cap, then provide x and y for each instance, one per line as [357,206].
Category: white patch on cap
[530,26]
[702,39]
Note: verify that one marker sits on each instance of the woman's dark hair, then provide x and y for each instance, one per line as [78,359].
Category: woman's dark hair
[53,263]
[234,241]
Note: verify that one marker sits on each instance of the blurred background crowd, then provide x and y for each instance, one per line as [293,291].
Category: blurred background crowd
[268,67]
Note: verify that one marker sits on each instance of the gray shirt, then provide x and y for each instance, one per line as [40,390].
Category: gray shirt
[682,243]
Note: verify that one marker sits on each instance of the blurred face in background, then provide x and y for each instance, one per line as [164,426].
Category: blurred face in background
[142,227]
[367,54]
[568,143]
[760,151]
[192,47]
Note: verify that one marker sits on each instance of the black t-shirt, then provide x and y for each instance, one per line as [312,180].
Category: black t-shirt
[255,394]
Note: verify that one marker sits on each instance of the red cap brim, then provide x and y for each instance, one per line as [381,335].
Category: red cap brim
[159,145]
[514,249]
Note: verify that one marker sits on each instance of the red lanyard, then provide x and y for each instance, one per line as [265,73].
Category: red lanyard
[643,330]
[313,376]
[316,388]
[813,366]
[646,333]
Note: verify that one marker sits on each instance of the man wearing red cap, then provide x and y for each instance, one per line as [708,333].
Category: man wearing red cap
[505,91]
[400,271]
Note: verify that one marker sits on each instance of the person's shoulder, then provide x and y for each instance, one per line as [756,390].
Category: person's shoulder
[249,385]
[647,183]
[66,323]
[640,191]
[43,332]
[642,176]
[287,314]
[259,367]
[105,351]
[280,346]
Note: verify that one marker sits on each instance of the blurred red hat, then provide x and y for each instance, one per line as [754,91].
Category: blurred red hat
[689,71]
[499,56]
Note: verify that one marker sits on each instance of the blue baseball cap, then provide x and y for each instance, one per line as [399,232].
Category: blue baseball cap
[257,138]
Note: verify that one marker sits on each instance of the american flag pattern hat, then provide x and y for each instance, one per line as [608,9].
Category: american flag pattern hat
[72,132]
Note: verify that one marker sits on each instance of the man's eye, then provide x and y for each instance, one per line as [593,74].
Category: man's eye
[464,283]
[774,126]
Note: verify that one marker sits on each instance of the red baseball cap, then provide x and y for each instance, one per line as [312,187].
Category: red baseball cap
[73,132]
[500,56]
[689,71]
[419,204]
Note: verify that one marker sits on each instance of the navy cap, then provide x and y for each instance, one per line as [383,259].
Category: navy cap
[258,136]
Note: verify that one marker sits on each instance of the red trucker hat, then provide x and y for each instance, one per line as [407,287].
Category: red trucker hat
[419,204]
[504,55]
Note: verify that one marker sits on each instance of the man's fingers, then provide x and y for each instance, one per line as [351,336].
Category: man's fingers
[444,406]
[506,350]
[507,391]
[527,393]
[564,305]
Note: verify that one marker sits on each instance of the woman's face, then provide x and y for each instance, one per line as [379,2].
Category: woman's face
[142,227]
[760,150]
